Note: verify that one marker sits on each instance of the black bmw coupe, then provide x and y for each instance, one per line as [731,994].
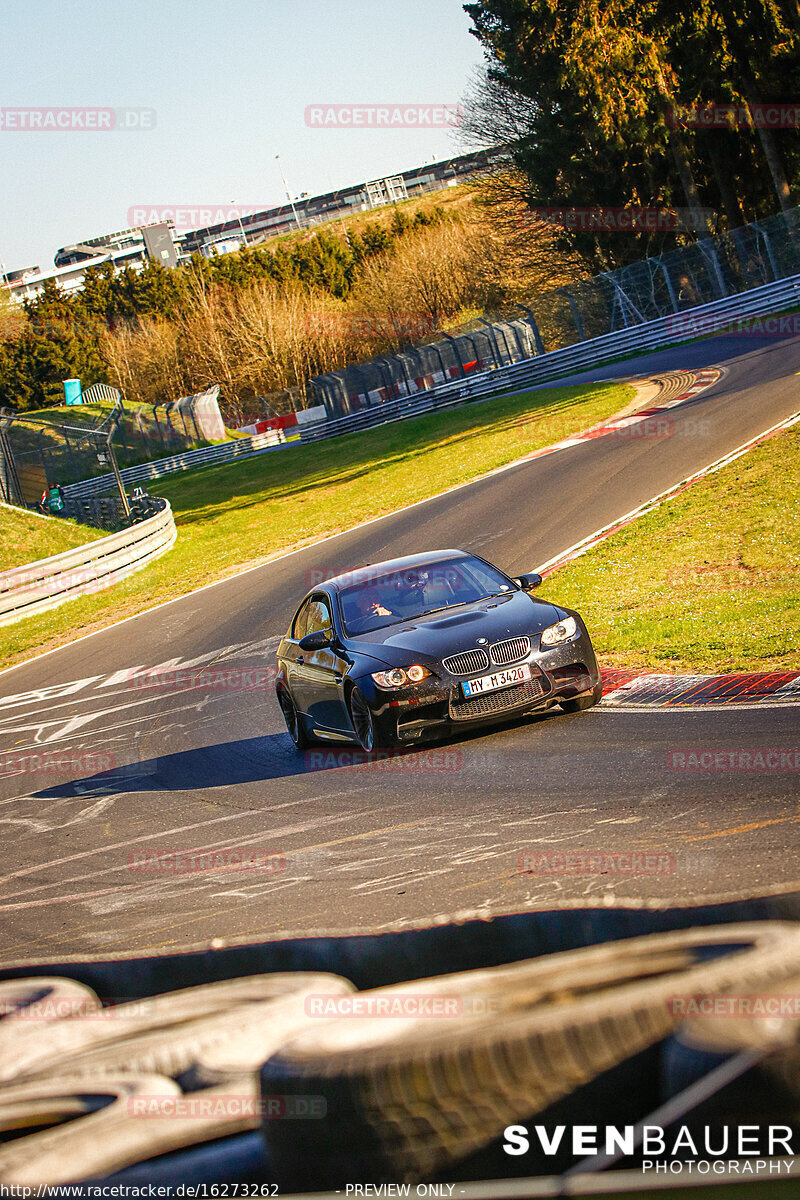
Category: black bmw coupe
[403,651]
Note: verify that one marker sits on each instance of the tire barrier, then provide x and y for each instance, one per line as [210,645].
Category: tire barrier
[97,1135]
[773,1026]
[41,585]
[411,1096]
[235,1039]
[224,1029]
[231,1027]
[399,1096]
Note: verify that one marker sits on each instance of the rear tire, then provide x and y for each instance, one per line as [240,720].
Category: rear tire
[294,722]
[580,703]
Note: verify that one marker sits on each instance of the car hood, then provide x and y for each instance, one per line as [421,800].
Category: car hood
[437,635]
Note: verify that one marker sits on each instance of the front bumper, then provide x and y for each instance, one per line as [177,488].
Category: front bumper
[437,706]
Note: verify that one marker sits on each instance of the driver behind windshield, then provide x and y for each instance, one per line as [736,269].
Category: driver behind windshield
[404,595]
[364,610]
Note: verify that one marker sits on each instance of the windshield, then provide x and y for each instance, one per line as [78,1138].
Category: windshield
[403,595]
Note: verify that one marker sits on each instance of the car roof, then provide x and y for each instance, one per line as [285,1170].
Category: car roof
[372,570]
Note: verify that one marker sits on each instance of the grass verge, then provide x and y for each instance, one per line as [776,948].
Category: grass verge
[234,516]
[709,581]
[24,536]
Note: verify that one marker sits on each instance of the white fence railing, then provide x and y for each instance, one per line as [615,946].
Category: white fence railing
[41,585]
[649,335]
[207,456]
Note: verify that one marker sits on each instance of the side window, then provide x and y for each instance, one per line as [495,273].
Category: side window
[319,615]
[300,623]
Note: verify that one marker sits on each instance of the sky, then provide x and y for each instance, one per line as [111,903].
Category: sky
[224,85]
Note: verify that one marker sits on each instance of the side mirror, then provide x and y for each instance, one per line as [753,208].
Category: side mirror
[316,641]
[529,582]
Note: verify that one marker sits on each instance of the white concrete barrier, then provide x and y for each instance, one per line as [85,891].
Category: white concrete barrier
[43,584]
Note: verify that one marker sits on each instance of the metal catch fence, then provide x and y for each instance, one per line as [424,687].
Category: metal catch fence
[709,270]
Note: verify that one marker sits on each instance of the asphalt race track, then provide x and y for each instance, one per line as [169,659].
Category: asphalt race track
[126,772]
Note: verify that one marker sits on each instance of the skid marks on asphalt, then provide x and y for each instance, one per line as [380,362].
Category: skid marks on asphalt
[51,713]
[99,735]
[58,815]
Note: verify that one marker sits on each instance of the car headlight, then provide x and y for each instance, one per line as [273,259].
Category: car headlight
[399,676]
[554,635]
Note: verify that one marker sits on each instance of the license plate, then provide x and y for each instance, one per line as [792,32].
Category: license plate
[500,679]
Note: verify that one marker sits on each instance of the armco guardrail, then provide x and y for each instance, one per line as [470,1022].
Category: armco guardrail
[649,335]
[40,585]
[207,456]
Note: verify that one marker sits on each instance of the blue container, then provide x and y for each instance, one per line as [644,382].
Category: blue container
[72,391]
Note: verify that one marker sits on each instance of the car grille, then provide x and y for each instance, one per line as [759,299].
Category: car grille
[511,651]
[467,662]
[496,701]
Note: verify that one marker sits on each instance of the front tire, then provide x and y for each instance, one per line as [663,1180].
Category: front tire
[581,703]
[362,720]
[294,722]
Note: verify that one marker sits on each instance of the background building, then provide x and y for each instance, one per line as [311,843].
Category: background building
[127,248]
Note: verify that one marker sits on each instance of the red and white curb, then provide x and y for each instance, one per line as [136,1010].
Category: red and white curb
[623,689]
[646,423]
[600,535]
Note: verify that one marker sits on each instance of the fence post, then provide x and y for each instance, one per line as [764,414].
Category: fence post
[113,460]
[576,316]
[404,369]
[158,427]
[471,340]
[9,479]
[122,438]
[435,349]
[502,328]
[523,350]
[449,337]
[72,466]
[194,422]
[384,366]
[709,252]
[768,248]
[173,433]
[673,299]
[492,339]
[537,337]
[43,454]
